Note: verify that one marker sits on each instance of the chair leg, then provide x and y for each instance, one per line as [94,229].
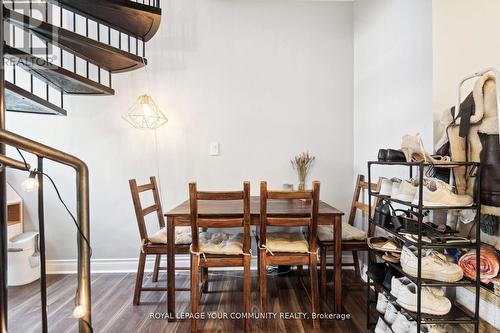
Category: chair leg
[247,293]
[322,266]
[313,270]
[195,293]
[300,270]
[139,278]
[204,279]
[263,284]
[156,268]
[357,271]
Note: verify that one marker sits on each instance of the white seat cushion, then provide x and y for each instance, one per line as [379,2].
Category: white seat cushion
[221,243]
[287,242]
[182,236]
[349,233]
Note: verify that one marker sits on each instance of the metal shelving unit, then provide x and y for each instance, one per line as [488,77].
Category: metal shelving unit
[457,315]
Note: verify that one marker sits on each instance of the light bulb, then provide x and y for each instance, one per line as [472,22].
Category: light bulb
[79,311]
[146,110]
[31,183]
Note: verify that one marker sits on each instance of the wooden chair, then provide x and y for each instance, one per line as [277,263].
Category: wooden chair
[349,245]
[147,247]
[202,256]
[307,255]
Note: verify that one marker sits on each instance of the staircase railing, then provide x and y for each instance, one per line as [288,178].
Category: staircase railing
[82,198]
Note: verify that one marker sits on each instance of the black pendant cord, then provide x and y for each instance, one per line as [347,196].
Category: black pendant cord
[41,231]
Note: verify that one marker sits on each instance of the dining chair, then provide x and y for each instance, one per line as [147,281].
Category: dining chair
[219,249]
[288,248]
[353,239]
[149,247]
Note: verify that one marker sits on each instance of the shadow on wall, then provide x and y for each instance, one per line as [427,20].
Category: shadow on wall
[178,34]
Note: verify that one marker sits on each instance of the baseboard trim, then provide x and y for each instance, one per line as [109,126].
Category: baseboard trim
[128,265]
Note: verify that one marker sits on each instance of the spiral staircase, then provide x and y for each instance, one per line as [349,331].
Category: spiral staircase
[54,48]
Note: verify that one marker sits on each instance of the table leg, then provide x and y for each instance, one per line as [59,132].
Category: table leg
[171,268]
[338,264]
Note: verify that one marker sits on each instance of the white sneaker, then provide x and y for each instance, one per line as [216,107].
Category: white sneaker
[406,191]
[387,186]
[439,193]
[430,303]
[390,313]
[401,324]
[397,283]
[381,303]
[433,266]
[381,326]
[395,188]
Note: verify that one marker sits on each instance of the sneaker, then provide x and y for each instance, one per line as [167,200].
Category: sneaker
[381,326]
[382,303]
[395,188]
[439,193]
[385,186]
[401,324]
[433,266]
[397,283]
[406,191]
[430,303]
[390,313]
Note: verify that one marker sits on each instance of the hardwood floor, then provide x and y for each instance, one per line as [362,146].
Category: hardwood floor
[114,312]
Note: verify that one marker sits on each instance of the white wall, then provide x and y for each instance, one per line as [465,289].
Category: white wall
[464,42]
[267,79]
[392,75]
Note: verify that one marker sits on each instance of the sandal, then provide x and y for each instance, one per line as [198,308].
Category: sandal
[390,258]
[384,244]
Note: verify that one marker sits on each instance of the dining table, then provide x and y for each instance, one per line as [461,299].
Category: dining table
[180,216]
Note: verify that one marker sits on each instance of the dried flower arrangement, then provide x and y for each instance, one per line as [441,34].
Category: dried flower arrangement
[302,163]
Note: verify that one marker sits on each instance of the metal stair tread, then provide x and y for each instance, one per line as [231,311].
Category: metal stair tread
[130,17]
[106,56]
[19,100]
[58,77]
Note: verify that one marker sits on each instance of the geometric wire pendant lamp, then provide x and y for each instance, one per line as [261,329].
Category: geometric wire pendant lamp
[145,114]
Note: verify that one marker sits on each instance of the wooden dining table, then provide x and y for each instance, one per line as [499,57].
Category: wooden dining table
[180,216]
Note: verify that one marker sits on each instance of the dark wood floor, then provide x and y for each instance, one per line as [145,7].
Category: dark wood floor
[113,311]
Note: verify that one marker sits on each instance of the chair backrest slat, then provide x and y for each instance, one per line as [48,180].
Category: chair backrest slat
[220,223]
[311,220]
[288,222]
[233,195]
[198,221]
[361,185]
[141,212]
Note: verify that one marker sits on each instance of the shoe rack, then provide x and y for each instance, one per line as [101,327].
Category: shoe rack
[458,315]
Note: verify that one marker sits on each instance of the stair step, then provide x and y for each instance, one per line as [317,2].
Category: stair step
[57,77]
[108,57]
[19,100]
[127,16]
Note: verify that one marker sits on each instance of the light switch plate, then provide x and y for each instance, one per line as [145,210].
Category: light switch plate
[214,149]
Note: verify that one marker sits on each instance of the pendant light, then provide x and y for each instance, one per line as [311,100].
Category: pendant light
[145,114]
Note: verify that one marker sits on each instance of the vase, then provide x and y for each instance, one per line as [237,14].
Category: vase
[302,186]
